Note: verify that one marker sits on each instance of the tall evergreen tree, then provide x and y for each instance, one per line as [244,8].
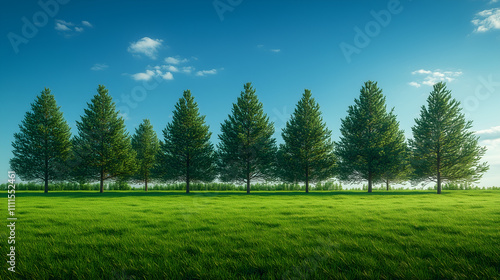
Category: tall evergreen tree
[368,133]
[146,145]
[246,150]
[307,154]
[443,146]
[102,149]
[187,154]
[43,145]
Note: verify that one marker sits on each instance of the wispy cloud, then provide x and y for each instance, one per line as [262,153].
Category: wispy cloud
[175,60]
[146,46]
[415,84]
[487,20]
[69,29]
[187,69]
[206,72]
[99,67]
[491,130]
[62,27]
[263,48]
[86,23]
[429,78]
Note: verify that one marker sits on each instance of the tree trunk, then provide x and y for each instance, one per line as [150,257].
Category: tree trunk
[46,179]
[187,174]
[307,180]
[248,175]
[369,182]
[438,173]
[387,183]
[248,183]
[146,183]
[102,181]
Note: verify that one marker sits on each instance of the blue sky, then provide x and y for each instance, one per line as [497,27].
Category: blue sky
[147,52]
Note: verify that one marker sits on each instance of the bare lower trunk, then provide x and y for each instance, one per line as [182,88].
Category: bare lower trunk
[146,184]
[307,180]
[102,181]
[439,173]
[370,183]
[387,183]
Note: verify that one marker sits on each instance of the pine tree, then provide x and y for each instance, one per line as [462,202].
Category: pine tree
[42,146]
[187,154]
[102,149]
[307,154]
[146,145]
[443,146]
[246,150]
[367,134]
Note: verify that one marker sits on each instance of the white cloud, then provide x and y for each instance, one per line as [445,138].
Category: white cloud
[175,60]
[187,69]
[86,23]
[146,46]
[206,72]
[487,19]
[69,29]
[61,27]
[415,84]
[275,50]
[168,76]
[99,66]
[143,76]
[491,130]
[172,68]
[149,74]
[492,155]
[433,77]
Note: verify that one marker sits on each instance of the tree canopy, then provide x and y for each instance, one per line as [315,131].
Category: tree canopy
[43,145]
[444,147]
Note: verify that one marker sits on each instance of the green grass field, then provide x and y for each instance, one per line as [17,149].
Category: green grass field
[265,235]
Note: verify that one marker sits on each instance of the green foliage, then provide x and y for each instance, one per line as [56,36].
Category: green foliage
[371,146]
[42,146]
[246,150]
[102,149]
[146,146]
[187,154]
[271,235]
[444,148]
[307,155]
[397,153]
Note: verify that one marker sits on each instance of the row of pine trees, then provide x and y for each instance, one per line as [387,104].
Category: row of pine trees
[371,148]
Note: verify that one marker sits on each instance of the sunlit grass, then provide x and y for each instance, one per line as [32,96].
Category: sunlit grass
[270,235]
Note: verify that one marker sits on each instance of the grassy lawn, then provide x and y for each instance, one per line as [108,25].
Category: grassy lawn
[265,235]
